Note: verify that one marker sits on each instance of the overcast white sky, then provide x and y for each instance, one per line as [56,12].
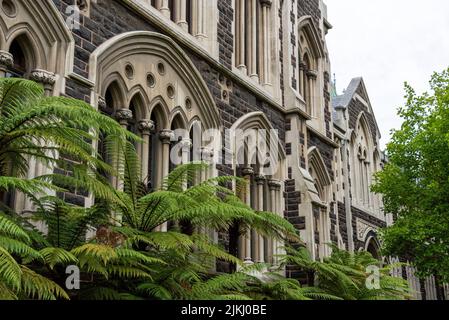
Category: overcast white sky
[388,42]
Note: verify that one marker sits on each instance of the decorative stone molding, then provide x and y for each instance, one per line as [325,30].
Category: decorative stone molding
[363,228]
[186,144]
[260,179]
[303,66]
[207,154]
[274,185]
[247,172]
[123,116]
[312,74]
[102,103]
[266,3]
[48,79]
[166,136]
[6,60]
[146,127]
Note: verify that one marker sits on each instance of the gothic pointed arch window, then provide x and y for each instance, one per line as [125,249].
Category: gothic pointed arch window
[21,66]
[310,52]
[363,163]
[258,159]
[321,217]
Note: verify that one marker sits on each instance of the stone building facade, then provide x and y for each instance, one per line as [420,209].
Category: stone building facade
[160,66]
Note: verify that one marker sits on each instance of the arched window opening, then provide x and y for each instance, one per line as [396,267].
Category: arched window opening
[176,148]
[373,249]
[309,54]
[21,66]
[306,83]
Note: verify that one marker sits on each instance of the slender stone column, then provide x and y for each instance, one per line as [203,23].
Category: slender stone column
[260,181]
[301,80]
[311,76]
[367,179]
[266,46]
[123,116]
[6,62]
[186,145]
[248,173]
[252,35]
[47,80]
[275,188]
[240,37]
[146,128]
[181,14]
[165,136]
[165,9]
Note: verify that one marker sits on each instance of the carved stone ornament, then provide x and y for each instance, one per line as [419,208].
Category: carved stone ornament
[6,59]
[186,144]
[363,228]
[146,126]
[260,179]
[44,77]
[266,3]
[166,136]
[312,74]
[249,171]
[123,116]
[274,185]
[102,103]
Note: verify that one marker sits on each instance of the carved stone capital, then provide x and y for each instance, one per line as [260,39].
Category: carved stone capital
[146,127]
[123,116]
[166,136]
[46,78]
[102,103]
[312,74]
[207,154]
[274,185]
[303,66]
[186,144]
[248,172]
[6,60]
[260,179]
[266,3]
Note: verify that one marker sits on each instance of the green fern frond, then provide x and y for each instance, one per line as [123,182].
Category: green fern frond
[57,256]
[35,286]
[10,272]
[11,229]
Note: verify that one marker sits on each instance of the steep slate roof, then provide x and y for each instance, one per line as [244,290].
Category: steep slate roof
[342,101]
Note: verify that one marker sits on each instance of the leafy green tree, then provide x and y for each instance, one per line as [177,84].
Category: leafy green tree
[415,182]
